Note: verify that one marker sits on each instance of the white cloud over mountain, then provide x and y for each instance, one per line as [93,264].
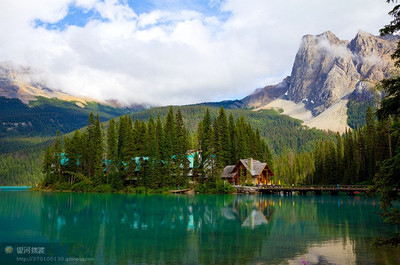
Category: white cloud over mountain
[171,56]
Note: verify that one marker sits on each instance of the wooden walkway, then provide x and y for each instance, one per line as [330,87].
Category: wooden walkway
[303,190]
[180,191]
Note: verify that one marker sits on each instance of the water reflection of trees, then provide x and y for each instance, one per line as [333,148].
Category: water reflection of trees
[119,229]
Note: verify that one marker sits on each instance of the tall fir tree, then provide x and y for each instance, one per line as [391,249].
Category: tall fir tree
[58,152]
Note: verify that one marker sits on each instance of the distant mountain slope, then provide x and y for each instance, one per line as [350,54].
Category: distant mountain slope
[29,108]
[22,82]
[45,116]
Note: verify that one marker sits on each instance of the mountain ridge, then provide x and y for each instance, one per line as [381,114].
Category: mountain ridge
[327,74]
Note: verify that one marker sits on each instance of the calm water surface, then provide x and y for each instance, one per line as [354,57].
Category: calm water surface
[202,229]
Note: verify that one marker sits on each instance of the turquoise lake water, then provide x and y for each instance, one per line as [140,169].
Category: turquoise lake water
[77,228]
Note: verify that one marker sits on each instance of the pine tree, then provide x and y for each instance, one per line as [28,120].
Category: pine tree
[206,134]
[152,147]
[112,149]
[160,138]
[388,177]
[73,152]
[47,165]
[370,144]
[129,150]
[233,137]
[112,146]
[223,136]
[170,135]
[95,148]
[58,155]
[181,149]
[339,159]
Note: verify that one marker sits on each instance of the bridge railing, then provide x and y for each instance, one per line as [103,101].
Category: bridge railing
[319,187]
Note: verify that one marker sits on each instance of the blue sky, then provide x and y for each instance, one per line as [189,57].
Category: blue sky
[78,16]
[172,51]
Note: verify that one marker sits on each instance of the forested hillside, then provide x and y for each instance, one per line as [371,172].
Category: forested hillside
[25,131]
[44,116]
[21,159]
[354,158]
[281,132]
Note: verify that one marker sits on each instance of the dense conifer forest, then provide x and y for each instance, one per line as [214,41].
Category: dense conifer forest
[353,158]
[283,135]
[106,157]
[282,132]
[20,159]
[140,156]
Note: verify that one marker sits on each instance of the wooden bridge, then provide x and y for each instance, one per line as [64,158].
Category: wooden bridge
[303,190]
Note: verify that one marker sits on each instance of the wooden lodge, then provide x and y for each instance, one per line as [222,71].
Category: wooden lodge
[248,170]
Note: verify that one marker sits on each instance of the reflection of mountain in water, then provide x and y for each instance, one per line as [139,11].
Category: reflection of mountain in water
[123,229]
[327,253]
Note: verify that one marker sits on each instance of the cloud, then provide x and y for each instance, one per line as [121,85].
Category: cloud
[181,55]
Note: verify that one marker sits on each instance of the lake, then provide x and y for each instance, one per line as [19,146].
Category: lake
[80,228]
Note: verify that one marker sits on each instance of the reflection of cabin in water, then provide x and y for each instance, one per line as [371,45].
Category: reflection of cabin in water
[260,173]
[249,212]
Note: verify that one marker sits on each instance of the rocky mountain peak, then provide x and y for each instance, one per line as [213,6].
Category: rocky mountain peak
[366,44]
[327,68]
[329,36]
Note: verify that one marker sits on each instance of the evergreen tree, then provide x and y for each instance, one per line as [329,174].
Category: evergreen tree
[233,139]
[129,150]
[170,135]
[205,134]
[387,180]
[370,143]
[339,159]
[73,152]
[243,148]
[57,155]
[152,147]
[47,165]
[223,140]
[95,149]
[182,146]
[112,146]
[160,138]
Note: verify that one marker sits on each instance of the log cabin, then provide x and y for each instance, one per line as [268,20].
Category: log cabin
[249,169]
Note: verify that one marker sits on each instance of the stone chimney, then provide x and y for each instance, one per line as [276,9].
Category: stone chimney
[251,165]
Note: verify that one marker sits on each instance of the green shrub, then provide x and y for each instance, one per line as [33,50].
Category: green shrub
[141,190]
[249,183]
[63,186]
[104,188]
[82,186]
[217,186]
[225,188]
[200,188]
[129,189]
[116,181]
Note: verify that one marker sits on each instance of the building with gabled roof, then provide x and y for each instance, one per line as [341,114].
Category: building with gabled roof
[259,172]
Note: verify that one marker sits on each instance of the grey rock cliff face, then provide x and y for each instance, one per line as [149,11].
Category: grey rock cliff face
[327,69]
[262,96]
